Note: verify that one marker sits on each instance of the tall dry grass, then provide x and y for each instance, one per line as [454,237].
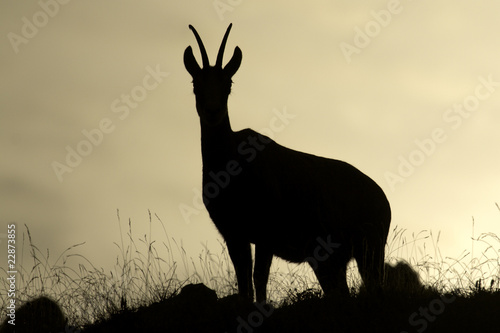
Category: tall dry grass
[148,270]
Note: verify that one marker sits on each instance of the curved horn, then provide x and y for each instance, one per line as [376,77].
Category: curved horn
[204,55]
[222,47]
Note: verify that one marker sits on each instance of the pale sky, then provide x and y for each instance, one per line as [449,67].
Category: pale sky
[407,89]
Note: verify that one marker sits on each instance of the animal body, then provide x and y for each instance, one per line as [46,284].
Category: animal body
[297,206]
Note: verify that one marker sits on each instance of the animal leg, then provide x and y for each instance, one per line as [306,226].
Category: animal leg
[263,259]
[331,275]
[370,260]
[241,256]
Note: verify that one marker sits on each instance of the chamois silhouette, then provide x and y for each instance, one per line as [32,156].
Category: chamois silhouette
[297,206]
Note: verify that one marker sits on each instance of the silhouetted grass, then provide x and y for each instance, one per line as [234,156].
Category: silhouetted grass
[86,293]
[146,282]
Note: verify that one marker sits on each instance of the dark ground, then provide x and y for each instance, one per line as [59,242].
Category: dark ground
[197,309]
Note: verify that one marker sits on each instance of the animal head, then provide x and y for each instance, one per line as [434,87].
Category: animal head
[212,84]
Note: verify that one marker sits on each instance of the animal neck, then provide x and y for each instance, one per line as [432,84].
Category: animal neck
[215,141]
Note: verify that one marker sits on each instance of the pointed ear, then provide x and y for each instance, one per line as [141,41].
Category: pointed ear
[233,64]
[190,62]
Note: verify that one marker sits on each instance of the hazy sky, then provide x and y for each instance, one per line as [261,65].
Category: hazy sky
[408,92]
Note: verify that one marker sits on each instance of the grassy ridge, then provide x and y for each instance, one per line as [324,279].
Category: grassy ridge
[145,285]
[201,311]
